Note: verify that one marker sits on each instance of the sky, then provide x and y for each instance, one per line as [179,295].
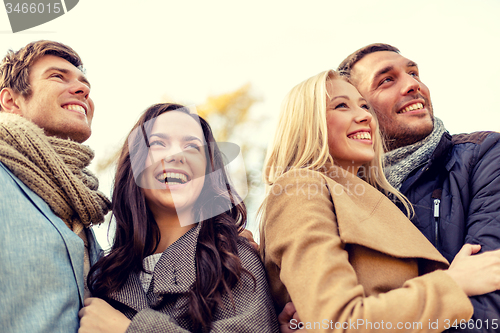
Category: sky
[138,52]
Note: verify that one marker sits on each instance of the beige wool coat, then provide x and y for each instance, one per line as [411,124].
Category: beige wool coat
[351,261]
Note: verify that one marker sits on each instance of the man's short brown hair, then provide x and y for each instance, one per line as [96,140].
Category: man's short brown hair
[346,66]
[15,66]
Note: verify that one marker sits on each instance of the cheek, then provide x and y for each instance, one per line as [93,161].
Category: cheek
[90,113]
[147,195]
[334,128]
[150,158]
[338,125]
[332,124]
[381,104]
[201,164]
[198,166]
[425,91]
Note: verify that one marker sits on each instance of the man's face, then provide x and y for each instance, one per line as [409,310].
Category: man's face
[391,84]
[60,102]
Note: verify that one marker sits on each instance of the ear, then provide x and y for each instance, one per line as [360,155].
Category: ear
[9,101]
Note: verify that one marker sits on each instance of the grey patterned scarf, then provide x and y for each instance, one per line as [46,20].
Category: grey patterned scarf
[400,162]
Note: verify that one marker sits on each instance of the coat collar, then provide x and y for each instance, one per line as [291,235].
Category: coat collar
[367,217]
[174,273]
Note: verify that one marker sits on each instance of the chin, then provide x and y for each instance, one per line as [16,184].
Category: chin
[422,131]
[80,137]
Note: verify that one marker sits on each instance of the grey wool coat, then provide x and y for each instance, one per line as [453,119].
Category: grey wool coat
[161,309]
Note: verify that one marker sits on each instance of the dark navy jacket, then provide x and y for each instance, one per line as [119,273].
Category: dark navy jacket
[456,197]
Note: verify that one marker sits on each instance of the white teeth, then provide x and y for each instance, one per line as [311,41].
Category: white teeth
[361,136]
[74,107]
[412,107]
[173,175]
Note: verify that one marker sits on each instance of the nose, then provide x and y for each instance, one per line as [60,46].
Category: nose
[80,88]
[410,85]
[363,116]
[176,158]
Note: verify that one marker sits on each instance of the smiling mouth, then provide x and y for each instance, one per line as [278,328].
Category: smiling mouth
[360,136]
[412,107]
[172,178]
[75,107]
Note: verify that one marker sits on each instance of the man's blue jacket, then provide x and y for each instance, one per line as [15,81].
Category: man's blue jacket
[456,197]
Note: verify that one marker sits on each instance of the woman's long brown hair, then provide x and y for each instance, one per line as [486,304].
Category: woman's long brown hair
[218,267]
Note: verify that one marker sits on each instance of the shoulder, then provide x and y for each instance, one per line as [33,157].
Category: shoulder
[6,175]
[298,183]
[480,142]
[250,259]
[301,190]
[13,192]
[472,148]
[301,176]
[475,137]
[18,199]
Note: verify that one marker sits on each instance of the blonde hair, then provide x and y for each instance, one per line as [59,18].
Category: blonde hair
[301,139]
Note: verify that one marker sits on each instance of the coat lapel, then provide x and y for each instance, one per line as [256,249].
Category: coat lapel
[367,217]
[174,274]
[75,249]
[132,294]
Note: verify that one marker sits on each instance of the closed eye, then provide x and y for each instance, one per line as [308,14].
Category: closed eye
[193,146]
[341,106]
[57,75]
[157,143]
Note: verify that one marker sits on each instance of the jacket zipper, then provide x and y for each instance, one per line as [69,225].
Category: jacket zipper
[436,219]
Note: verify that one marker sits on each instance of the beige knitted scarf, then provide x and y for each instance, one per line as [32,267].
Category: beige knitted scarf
[55,169]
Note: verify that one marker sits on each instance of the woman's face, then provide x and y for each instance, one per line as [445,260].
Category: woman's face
[350,126]
[175,165]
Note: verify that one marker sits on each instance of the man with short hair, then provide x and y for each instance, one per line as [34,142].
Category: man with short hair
[453,182]
[48,198]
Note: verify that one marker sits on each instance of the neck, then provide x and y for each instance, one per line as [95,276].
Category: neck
[173,227]
[395,143]
[403,139]
[350,167]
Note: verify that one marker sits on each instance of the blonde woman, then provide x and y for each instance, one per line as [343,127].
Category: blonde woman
[331,240]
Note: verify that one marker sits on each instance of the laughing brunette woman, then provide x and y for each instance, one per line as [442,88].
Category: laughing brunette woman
[177,263]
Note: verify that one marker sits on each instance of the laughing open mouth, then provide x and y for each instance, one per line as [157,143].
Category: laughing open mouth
[172,178]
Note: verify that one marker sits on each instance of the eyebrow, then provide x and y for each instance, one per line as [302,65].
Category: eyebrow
[382,71]
[342,96]
[411,64]
[361,99]
[81,78]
